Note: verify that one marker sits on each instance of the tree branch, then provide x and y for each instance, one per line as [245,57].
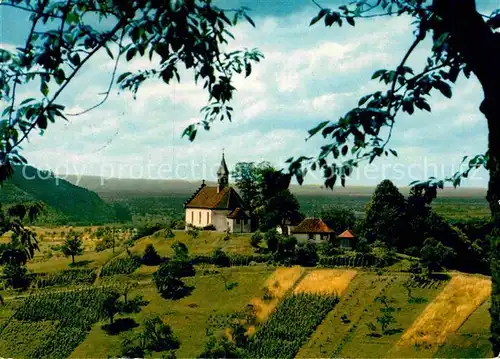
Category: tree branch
[106,94]
[63,86]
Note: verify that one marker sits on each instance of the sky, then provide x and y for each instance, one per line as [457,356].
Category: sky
[308,75]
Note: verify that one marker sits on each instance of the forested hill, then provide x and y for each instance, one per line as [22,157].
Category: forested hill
[66,202]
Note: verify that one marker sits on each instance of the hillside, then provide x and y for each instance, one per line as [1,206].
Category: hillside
[301,317]
[66,202]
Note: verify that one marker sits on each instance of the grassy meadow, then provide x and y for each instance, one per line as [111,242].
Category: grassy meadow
[349,328]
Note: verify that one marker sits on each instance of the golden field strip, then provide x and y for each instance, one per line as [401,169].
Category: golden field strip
[331,281]
[278,283]
[449,310]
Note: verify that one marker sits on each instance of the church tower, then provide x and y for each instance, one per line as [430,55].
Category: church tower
[222,175]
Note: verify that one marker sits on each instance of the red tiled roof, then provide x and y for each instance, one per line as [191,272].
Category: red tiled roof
[237,213]
[347,234]
[312,225]
[208,198]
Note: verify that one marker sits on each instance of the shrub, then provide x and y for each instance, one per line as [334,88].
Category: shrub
[158,336]
[306,254]
[151,256]
[272,240]
[256,239]
[220,258]
[16,276]
[210,227]
[103,244]
[168,282]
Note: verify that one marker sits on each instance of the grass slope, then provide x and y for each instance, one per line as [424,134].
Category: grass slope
[332,333]
[359,343]
[206,243]
[188,316]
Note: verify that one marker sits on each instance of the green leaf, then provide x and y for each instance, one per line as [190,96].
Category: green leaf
[440,41]
[378,73]
[344,150]
[44,88]
[110,54]
[123,76]
[4,55]
[75,59]
[444,88]
[318,17]
[331,18]
[394,153]
[27,100]
[363,99]
[42,122]
[249,20]
[408,106]
[318,128]
[131,53]
[248,69]
[350,20]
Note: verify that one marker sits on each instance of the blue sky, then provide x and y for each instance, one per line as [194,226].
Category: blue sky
[309,74]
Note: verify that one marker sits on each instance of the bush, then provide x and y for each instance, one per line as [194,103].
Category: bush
[105,243]
[131,347]
[210,227]
[151,256]
[256,239]
[168,282]
[306,254]
[220,258]
[272,240]
[158,336]
[16,276]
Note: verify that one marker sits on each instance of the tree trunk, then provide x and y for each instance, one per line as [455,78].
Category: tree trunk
[480,49]
[492,113]
[73,258]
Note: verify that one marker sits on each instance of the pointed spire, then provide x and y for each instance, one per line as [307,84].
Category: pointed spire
[222,174]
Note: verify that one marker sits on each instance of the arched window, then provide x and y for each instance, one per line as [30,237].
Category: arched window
[192,217]
[199,217]
[208,215]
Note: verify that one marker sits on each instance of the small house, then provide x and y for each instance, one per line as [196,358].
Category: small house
[313,229]
[346,239]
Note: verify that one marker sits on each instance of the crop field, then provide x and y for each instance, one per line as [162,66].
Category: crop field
[278,284]
[326,281]
[60,321]
[333,333]
[449,310]
[290,325]
[362,340]
[472,340]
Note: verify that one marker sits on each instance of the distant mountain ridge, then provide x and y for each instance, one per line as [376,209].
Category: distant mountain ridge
[66,202]
[116,187]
